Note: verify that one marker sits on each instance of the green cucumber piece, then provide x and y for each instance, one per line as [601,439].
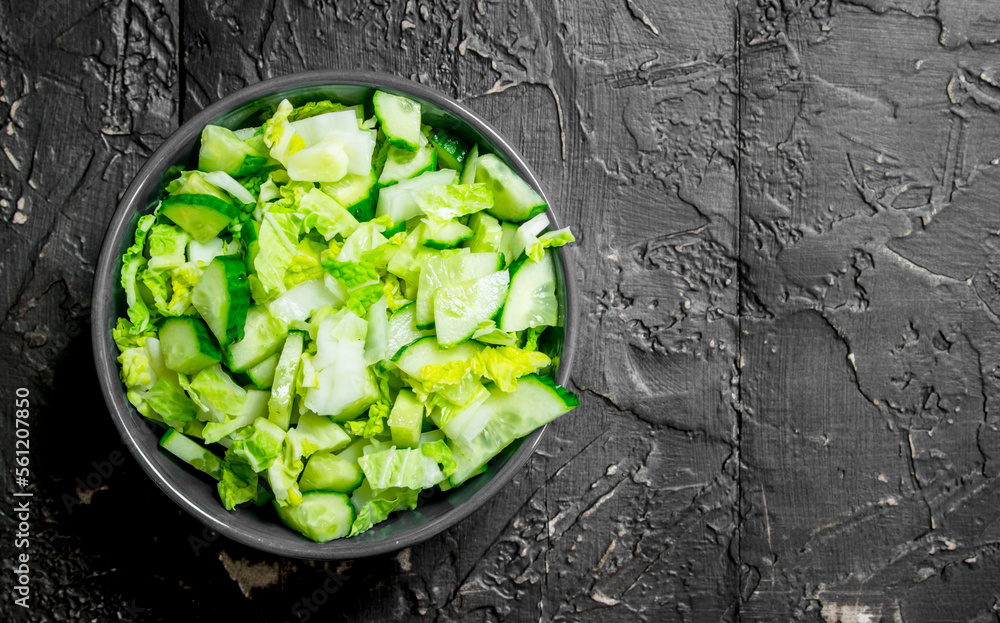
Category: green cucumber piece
[438,271]
[508,232]
[187,345]
[326,471]
[222,297]
[192,453]
[486,233]
[356,193]
[262,374]
[532,300]
[319,433]
[321,515]
[263,335]
[406,419]
[403,329]
[402,165]
[201,216]
[450,150]
[469,168]
[283,387]
[399,118]
[444,234]
[536,401]
[426,352]
[222,150]
[513,199]
[459,308]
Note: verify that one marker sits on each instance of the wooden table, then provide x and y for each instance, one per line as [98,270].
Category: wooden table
[788,218]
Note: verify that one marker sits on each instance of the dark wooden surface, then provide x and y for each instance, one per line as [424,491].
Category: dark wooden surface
[788,218]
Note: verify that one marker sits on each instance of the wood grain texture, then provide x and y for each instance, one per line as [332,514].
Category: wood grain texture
[787,237]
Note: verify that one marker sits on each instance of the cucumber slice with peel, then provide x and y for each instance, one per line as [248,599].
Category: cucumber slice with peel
[263,335]
[438,271]
[321,515]
[532,300]
[326,471]
[459,308]
[535,402]
[201,216]
[222,297]
[513,199]
[401,164]
[400,119]
[187,345]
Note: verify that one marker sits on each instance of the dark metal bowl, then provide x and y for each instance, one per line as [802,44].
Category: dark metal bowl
[260,528]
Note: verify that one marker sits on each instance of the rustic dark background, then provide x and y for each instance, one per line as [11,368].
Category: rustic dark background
[788,216]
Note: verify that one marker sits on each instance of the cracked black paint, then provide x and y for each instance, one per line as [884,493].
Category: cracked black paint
[787,226]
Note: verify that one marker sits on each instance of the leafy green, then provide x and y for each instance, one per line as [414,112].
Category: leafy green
[400,467]
[278,239]
[550,239]
[351,274]
[238,483]
[373,425]
[282,475]
[136,368]
[453,200]
[132,262]
[166,247]
[259,444]
[442,454]
[168,398]
[321,212]
[372,509]
[218,388]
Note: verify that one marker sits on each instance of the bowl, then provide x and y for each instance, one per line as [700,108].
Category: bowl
[259,527]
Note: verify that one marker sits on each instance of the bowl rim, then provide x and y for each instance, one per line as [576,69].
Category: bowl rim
[129,423]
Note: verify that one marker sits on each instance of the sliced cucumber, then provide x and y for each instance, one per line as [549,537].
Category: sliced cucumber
[201,216]
[536,401]
[377,338]
[437,271]
[426,352]
[513,199]
[319,433]
[356,450]
[532,300]
[301,301]
[355,193]
[444,234]
[222,297]
[400,119]
[469,168]
[279,405]
[262,374]
[326,471]
[192,453]
[263,336]
[459,308]
[187,345]
[508,232]
[321,515]
[451,151]
[403,329]
[467,420]
[406,419]
[486,233]
[222,150]
[402,165]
